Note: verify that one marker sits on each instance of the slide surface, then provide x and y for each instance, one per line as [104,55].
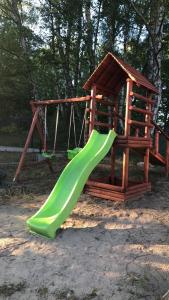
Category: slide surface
[70,184]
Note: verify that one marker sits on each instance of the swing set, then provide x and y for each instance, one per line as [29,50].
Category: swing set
[39,109]
[102,112]
[72,124]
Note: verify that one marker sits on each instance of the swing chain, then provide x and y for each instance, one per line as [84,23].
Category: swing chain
[74,127]
[70,125]
[72,119]
[45,154]
[45,130]
[83,124]
[56,129]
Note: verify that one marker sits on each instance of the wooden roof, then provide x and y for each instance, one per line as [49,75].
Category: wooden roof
[111,75]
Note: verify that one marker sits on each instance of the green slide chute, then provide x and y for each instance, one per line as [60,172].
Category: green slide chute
[70,184]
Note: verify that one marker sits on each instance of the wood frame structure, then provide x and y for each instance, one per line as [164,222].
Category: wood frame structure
[105,85]
[108,79]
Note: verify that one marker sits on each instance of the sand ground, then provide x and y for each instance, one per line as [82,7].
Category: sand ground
[105,250]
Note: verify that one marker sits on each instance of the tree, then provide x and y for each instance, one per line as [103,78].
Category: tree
[154,22]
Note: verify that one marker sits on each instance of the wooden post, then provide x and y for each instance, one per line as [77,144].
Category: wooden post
[147,135]
[128,104]
[38,126]
[109,109]
[157,136]
[146,165]
[137,132]
[28,140]
[148,121]
[167,158]
[86,127]
[115,118]
[125,171]
[113,150]
[113,156]
[92,109]
[41,135]
[127,133]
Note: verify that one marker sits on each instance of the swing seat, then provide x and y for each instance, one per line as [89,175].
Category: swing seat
[48,155]
[71,153]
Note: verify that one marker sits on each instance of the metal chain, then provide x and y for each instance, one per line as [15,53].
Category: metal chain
[72,118]
[45,129]
[56,128]
[74,127]
[70,125]
[83,123]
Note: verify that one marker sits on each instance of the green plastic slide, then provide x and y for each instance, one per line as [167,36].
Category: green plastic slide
[69,186]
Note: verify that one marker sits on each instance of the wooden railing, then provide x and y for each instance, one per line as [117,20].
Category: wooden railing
[147,124]
[160,132]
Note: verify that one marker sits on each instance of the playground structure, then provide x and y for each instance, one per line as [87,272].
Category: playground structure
[106,84]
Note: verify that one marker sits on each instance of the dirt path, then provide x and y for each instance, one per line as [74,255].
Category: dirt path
[105,250]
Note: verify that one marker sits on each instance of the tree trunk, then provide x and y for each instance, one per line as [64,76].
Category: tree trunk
[155,48]
[89,35]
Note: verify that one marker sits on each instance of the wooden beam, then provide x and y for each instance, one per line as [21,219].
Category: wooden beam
[138,123]
[137,130]
[137,186]
[41,135]
[134,145]
[147,119]
[105,196]
[92,109]
[109,193]
[132,138]
[115,112]
[143,98]
[113,159]
[146,165]
[125,169]
[128,104]
[60,101]
[160,129]
[139,110]
[28,140]
[103,124]
[100,124]
[141,190]
[101,113]
[157,137]
[110,116]
[104,185]
[167,159]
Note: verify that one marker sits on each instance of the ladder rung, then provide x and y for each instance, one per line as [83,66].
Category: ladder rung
[140,110]
[98,112]
[99,124]
[143,124]
[102,124]
[143,98]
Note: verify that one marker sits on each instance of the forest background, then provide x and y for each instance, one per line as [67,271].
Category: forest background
[48,49]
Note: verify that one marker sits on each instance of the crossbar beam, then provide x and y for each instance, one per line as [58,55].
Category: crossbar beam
[59,101]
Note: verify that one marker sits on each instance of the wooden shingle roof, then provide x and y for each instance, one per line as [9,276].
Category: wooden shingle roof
[111,75]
